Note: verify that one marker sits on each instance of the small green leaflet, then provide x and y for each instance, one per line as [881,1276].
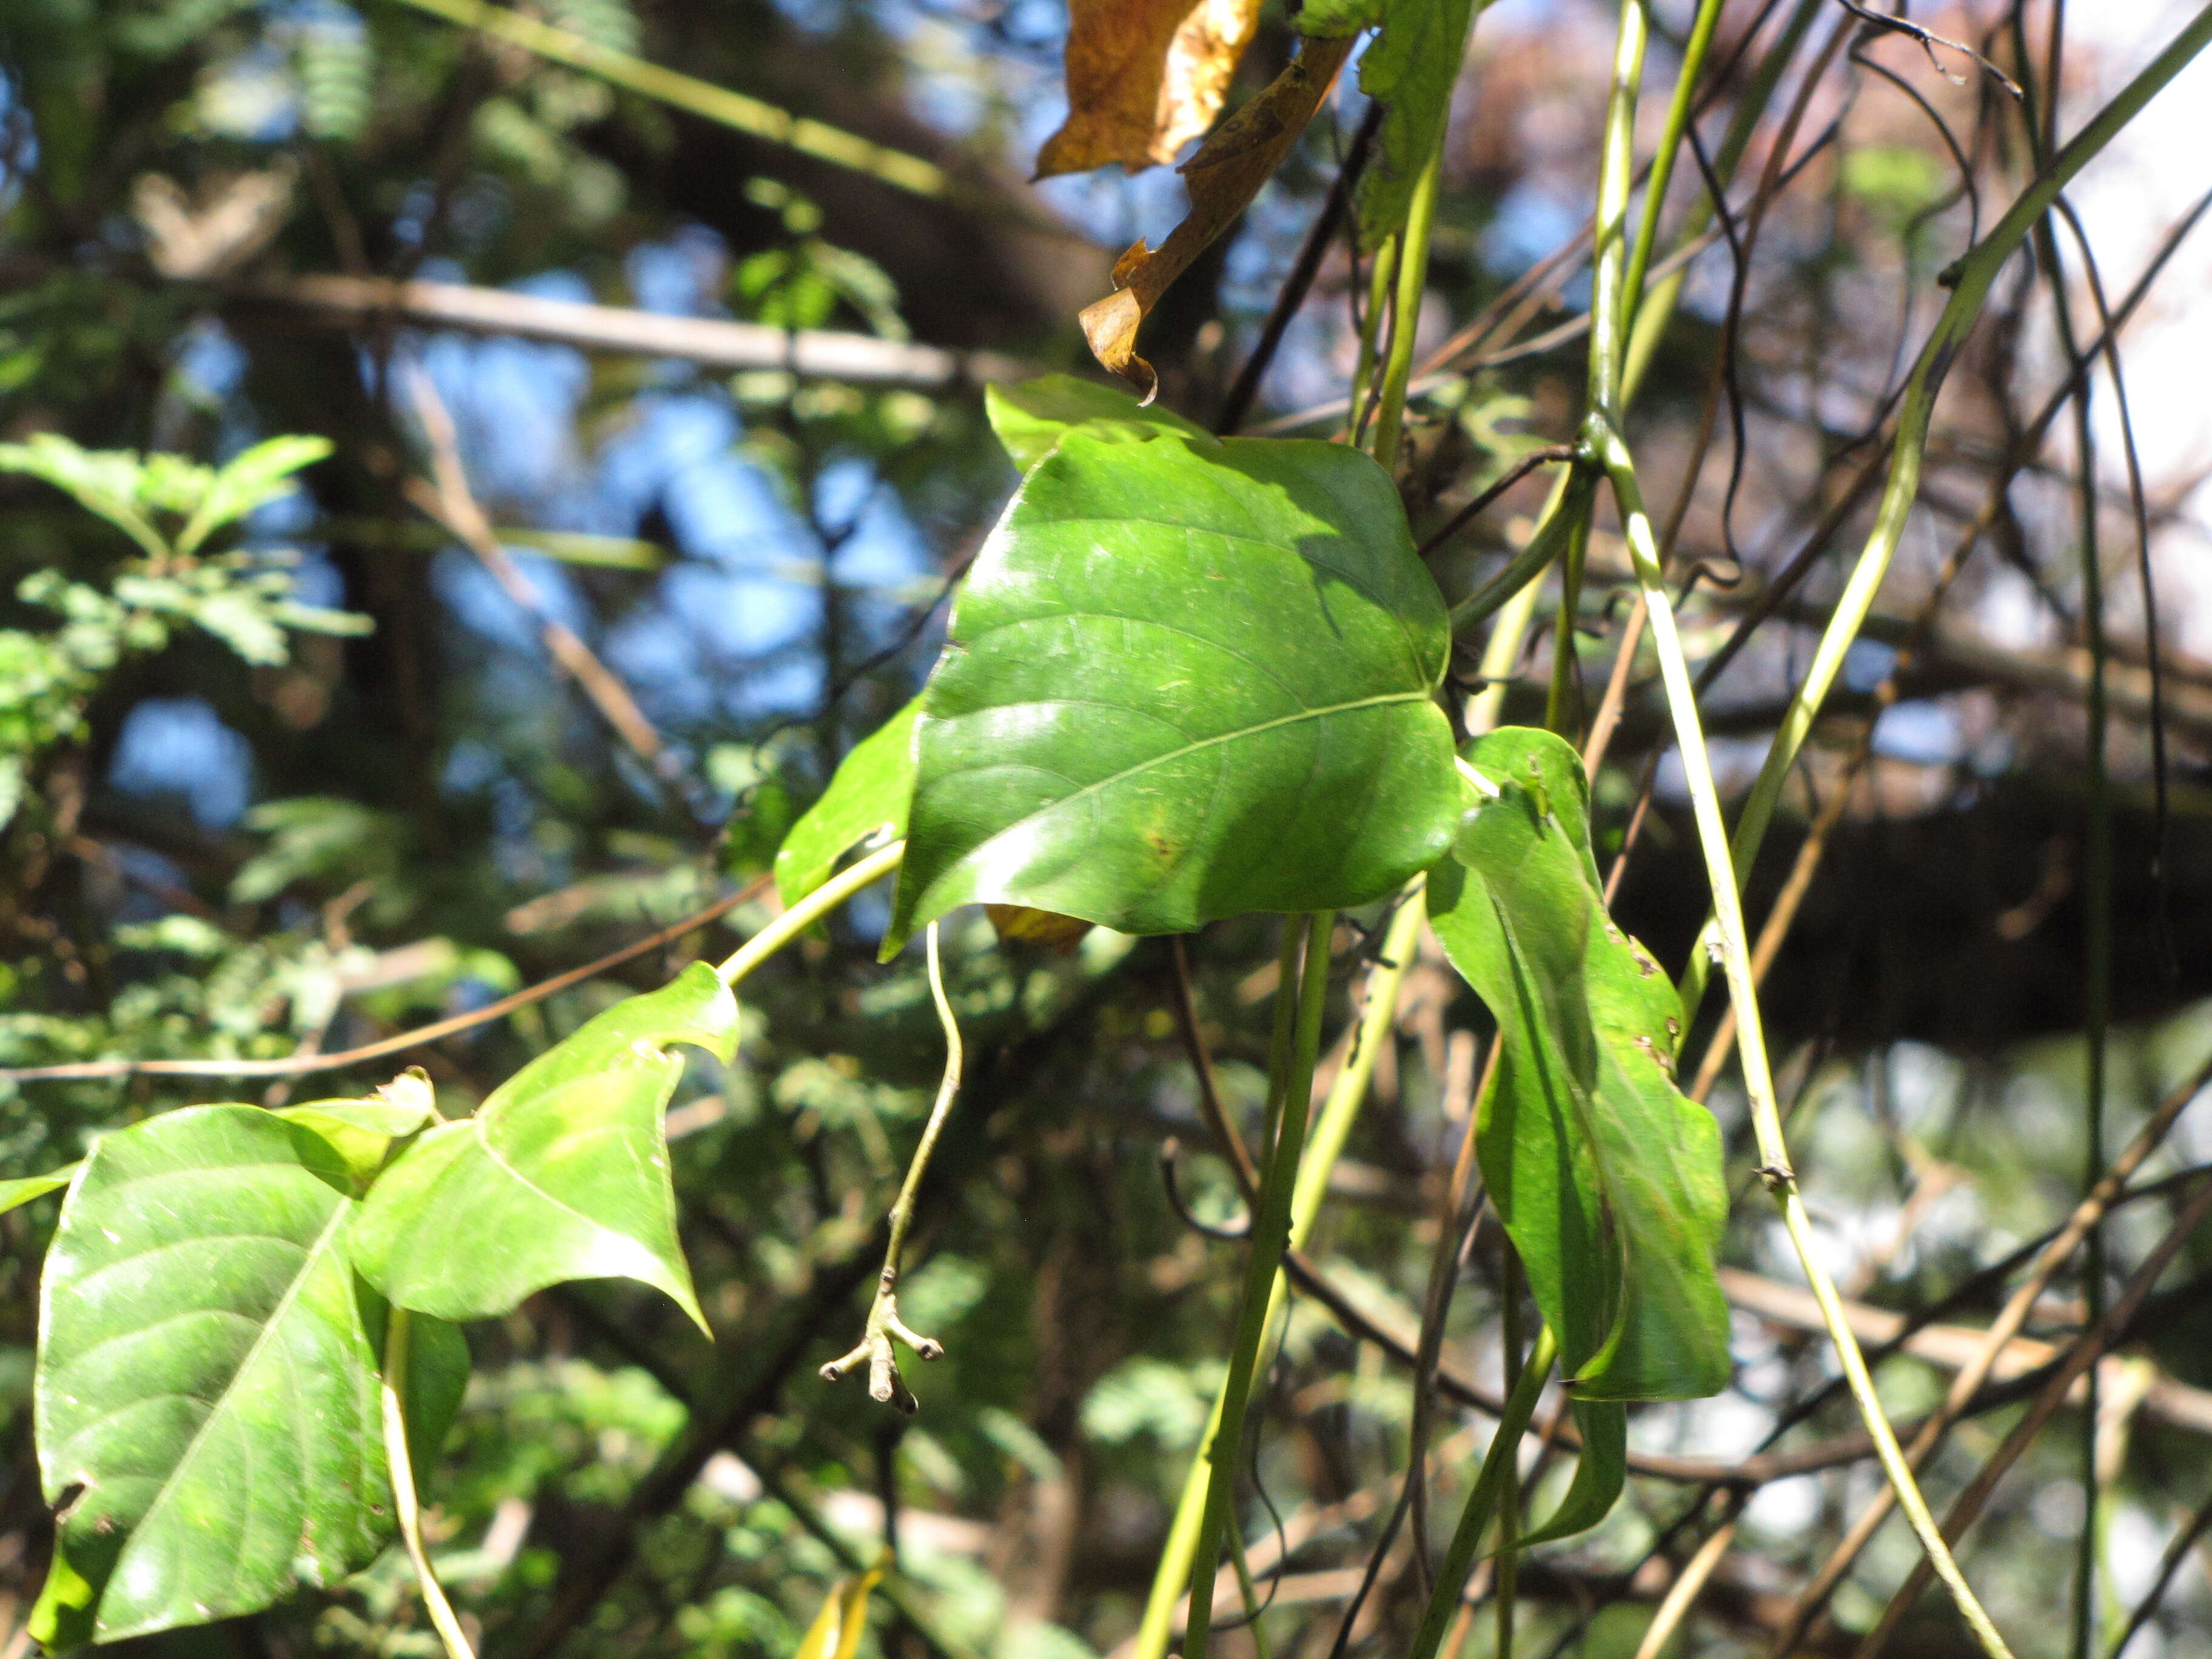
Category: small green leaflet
[866,799]
[562,1174]
[1031,418]
[1608,1179]
[206,1394]
[23,1189]
[364,1132]
[1185,679]
[1410,69]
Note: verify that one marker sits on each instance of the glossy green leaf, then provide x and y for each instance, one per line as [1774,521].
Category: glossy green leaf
[866,799]
[562,1173]
[1607,1178]
[23,1189]
[1185,680]
[206,1397]
[1410,69]
[1031,418]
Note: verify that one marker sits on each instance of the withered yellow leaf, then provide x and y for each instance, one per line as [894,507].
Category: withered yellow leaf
[1225,175]
[1045,928]
[1145,77]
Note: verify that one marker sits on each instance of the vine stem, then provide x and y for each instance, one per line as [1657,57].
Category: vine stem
[1751,1041]
[405,1504]
[1406,309]
[809,910]
[884,1327]
[1325,1143]
[1970,280]
[1291,1094]
[1482,1501]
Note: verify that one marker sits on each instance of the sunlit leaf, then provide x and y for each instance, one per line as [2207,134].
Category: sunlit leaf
[105,481]
[1410,70]
[250,480]
[1185,681]
[1606,1177]
[866,799]
[562,1173]
[1145,77]
[1030,417]
[206,1389]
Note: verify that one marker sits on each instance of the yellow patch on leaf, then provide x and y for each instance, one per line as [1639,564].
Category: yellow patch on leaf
[1145,77]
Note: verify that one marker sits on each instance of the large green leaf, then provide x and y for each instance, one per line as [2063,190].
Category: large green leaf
[206,1391]
[1606,1177]
[1410,69]
[562,1174]
[1185,680]
[1031,418]
[868,797]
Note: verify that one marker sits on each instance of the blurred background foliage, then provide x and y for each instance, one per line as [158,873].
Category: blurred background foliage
[313,775]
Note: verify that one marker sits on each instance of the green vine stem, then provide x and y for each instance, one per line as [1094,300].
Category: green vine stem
[1679,111]
[1970,280]
[1405,310]
[809,910]
[1751,1041]
[876,1348]
[1293,1087]
[1654,310]
[406,1505]
[1482,1503]
[1325,1143]
[1370,331]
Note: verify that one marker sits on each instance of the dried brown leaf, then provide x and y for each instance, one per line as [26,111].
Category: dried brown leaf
[1225,175]
[1145,77]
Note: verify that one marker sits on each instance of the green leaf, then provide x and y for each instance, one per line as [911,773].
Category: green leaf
[1606,1177]
[259,475]
[1031,418]
[1185,680]
[1410,69]
[107,481]
[867,798]
[562,1173]
[1599,1472]
[23,1189]
[206,1398]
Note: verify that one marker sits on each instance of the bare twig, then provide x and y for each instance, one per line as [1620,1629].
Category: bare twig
[449,501]
[301,1065]
[711,342]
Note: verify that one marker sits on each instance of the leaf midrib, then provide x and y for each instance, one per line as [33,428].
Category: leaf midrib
[1162,759]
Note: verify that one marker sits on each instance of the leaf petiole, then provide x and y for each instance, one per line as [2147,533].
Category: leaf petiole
[406,1503]
[809,910]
